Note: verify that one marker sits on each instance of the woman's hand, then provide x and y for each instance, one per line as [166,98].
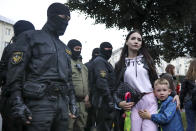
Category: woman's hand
[126,105]
[177,99]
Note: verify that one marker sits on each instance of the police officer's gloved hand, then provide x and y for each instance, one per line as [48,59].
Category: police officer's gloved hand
[72,103]
[74,110]
[111,103]
[73,107]
[20,111]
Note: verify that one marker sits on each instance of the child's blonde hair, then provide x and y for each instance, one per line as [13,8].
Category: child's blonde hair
[161,81]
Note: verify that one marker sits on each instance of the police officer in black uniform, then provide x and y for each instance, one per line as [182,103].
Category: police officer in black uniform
[89,65]
[19,27]
[95,53]
[41,100]
[8,123]
[103,89]
[91,113]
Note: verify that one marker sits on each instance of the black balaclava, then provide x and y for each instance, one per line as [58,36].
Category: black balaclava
[21,26]
[57,23]
[71,44]
[95,53]
[106,53]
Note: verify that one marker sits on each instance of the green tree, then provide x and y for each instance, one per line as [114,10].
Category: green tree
[169,26]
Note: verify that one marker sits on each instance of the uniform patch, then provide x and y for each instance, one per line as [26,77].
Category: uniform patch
[17,57]
[102,73]
[68,51]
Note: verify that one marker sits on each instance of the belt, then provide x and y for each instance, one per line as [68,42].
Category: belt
[56,90]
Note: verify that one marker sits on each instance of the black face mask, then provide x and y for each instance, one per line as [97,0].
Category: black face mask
[94,56]
[95,53]
[58,25]
[106,53]
[71,44]
[75,54]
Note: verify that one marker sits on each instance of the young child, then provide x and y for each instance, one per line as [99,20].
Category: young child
[168,118]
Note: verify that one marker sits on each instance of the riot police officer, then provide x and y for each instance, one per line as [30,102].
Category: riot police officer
[8,123]
[80,83]
[91,112]
[103,88]
[95,53]
[41,100]
[19,27]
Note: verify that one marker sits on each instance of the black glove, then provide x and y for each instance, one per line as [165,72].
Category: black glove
[20,111]
[74,110]
[111,103]
[72,104]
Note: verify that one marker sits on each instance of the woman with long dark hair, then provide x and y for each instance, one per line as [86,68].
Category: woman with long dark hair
[136,67]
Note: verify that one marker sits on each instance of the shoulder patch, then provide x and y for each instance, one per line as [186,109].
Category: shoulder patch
[102,73]
[17,57]
[68,51]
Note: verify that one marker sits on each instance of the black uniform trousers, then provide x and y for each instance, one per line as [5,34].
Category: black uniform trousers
[104,119]
[48,114]
[90,119]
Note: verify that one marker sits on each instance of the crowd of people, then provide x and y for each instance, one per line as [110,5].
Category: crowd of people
[47,87]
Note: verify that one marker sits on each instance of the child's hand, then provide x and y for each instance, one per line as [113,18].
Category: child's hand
[144,114]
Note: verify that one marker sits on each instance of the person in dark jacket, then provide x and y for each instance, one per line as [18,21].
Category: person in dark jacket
[8,123]
[95,53]
[80,83]
[19,27]
[41,100]
[103,88]
[186,96]
[91,113]
[168,118]
[89,65]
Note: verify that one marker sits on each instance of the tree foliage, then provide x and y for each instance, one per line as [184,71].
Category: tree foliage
[169,26]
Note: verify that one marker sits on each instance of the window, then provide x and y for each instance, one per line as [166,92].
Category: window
[8,31]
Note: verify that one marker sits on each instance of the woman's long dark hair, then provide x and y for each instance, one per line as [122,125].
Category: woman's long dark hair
[121,63]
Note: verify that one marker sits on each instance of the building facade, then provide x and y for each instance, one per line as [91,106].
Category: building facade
[181,64]
[6,32]
[115,56]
